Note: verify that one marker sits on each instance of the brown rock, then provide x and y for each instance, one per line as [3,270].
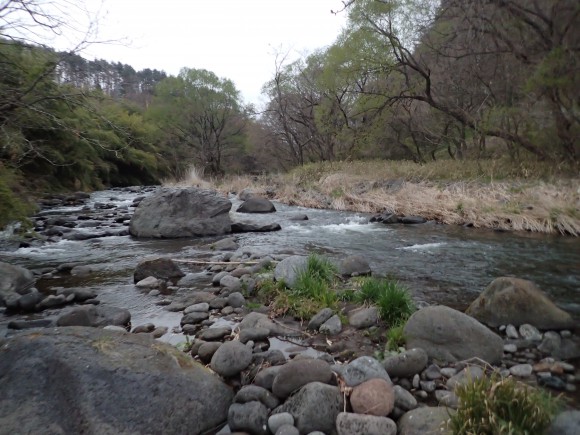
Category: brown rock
[373,397]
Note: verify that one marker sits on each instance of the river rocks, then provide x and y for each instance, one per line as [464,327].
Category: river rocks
[255,204]
[406,364]
[319,318]
[373,397]
[236,300]
[14,280]
[161,268]
[289,268]
[521,370]
[231,358]
[363,317]
[314,407]
[427,420]
[97,377]
[276,421]
[231,283]
[249,417]
[332,326]
[403,399]
[297,373]
[214,334]
[448,335]
[189,212]
[517,301]
[355,265]
[194,317]
[360,370]
[250,393]
[148,283]
[565,423]
[259,320]
[350,424]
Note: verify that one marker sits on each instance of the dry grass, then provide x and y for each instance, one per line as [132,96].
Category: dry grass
[495,194]
[191,177]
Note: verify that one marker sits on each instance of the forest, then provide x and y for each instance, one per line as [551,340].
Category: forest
[415,80]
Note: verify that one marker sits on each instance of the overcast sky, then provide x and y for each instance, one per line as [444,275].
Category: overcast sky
[236,39]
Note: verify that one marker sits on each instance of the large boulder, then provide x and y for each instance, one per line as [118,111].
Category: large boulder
[173,213]
[448,335]
[255,204]
[517,301]
[86,380]
[14,280]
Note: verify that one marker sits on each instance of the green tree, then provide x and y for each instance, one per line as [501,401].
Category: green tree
[202,117]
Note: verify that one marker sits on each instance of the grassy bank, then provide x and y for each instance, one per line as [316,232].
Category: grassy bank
[530,196]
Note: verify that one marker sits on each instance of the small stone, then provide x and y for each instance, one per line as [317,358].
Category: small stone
[360,370]
[254,334]
[447,398]
[278,420]
[551,343]
[553,382]
[332,326]
[530,332]
[510,348]
[287,429]
[570,388]
[543,375]
[146,328]
[468,374]
[193,318]
[406,364]
[154,293]
[202,307]
[421,394]
[226,311]
[521,370]
[448,372]
[249,393]
[432,372]
[206,351]
[373,397]
[249,417]
[416,380]
[318,319]
[236,300]
[502,328]
[403,399]
[512,332]
[149,282]
[214,334]
[427,386]
[566,333]
[231,358]
[348,423]
[363,317]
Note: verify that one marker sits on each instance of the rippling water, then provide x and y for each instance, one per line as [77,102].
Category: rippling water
[440,264]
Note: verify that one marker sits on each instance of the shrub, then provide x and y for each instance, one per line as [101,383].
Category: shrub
[491,405]
[393,299]
[395,337]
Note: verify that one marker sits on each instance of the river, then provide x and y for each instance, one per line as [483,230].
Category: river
[442,264]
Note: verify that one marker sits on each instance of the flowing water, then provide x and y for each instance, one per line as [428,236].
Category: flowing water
[440,264]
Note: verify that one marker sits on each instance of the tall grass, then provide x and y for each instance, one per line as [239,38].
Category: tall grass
[491,406]
[392,299]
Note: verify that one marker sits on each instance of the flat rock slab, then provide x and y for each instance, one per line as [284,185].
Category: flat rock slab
[88,380]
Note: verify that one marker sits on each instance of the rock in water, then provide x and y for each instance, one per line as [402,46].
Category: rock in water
[160,268]
[87,380]
[256,204]
[14,280]
[518,301]
[174,213]
[448,335]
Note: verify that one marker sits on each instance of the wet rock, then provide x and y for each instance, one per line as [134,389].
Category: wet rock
[214,334]
[51,301]
[354,265]
[146,328]
[448,335]
[373,397]
[319,318]
[29,301]
[188,212]
[246,194]
[256,204]
[314,407]
[148,283]
[96,373]
[553,382]
[565,423]
[363,317]
[278,420]
[298,217]
[406,364]
[14,280]
[289,269]
[518,301]
[360,370]
[95,316]
[250,393]
[426,420]
[228,244]
[246,227]
[159,332]
[201,307]
[348,424]
[332,326]
[231,358]
[81,270]
[385,218]
[161,268]
[27,324]
[410,220]
[297,373]
[249,417]
[403,399]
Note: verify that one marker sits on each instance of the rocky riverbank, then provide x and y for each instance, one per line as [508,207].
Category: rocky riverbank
[271,373]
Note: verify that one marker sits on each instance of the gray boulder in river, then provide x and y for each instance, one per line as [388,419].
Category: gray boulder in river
[175,212]
[88,380]
[14,280]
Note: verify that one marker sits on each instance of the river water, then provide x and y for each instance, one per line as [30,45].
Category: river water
[442,264]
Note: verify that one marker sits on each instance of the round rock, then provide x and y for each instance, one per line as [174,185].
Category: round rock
[406,364]
[350,424]
[295,374]
[231,358]
[373,397]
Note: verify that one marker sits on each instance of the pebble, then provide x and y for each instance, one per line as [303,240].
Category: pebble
[521,370]
[448,372]
[201,307]
[432,372]
[332,326]
[428,386]
[565,333]
[403,399]
[278,420]
[416,380]
[421,394]
[360,370]
[447,398]
[373,397]
[510,348]
[512,332]
[553,382]
[287,429]
[530,332]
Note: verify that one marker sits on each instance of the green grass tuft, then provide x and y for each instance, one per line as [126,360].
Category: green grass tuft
[392,299]
[491,405]
[395,337]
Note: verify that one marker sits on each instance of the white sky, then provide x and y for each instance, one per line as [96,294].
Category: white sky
[236,39]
